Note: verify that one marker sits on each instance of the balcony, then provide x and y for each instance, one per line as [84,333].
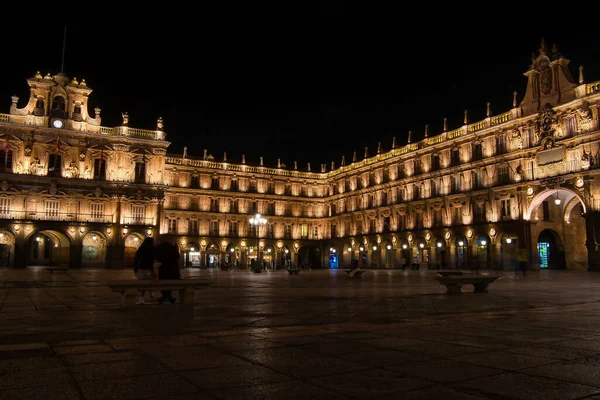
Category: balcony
[53,216]
[138,221]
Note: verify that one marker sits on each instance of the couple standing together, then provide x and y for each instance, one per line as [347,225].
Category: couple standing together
[156,263]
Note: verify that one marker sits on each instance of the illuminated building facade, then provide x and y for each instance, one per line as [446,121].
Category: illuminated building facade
[75,193]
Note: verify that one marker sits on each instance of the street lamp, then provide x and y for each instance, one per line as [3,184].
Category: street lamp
[257,221]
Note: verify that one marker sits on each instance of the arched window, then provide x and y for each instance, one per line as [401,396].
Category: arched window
[58,107]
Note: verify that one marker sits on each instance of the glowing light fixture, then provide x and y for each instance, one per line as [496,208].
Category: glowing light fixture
[461,243]
[508,240]
[557,200]
[439,244]
[374,247]
[421,245]
[349,249]
[389,246]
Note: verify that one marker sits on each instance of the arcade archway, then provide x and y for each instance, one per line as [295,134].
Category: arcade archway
[48,248]
[7,248]
[94,250]
[132,242]
[550,250]
[558,214]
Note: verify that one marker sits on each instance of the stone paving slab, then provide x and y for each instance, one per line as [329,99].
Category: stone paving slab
[392,335]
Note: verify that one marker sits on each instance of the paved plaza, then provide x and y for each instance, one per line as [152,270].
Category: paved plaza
[316,335]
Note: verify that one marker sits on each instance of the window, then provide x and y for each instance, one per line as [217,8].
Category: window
[402,222]
[287,234]
[58,107]
[215,183]
[455,180]
[5,203]
[455,157]
[386,224]
[195,184]
[140,172]
[99,169]
[505,208]
[418,167]
[96,211]
[478,180]
[234,206]
[213,228]
[304,231]
[477,151]
[384,199]
[503,177]
[234,185]
[333,230]
[51,208]
[252,231]
[254,207]
[372,225]
[315,232]
[6,160]
[546,211]
[214,205]
[172,229]
[252,187]
[480,212]
[270,230]
[435,162]
[458,215]
[436,188]
[233,229]
[500,144]
[138,213]
[193,227]
[437,218]
[54,165]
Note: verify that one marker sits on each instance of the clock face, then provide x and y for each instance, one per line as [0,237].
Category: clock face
[57,123]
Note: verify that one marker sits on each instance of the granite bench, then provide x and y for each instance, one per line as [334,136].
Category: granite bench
[129,289]
[52,269]
[454,283]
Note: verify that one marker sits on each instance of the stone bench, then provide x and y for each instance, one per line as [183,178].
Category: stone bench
[454,283]
[358,273]
[129,289]
[452,273]
[52,269]
[294,271]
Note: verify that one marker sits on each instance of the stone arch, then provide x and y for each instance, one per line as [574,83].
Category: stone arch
[132,242]
[550,250]
[7,248]
[569,206]
[93,252]
[48,247]
[191,255]
[309,255]
[564,194]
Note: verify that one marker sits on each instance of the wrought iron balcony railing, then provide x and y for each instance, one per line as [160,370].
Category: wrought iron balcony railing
[138,221]
[55,216]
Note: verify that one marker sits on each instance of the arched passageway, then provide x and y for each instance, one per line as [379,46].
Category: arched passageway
[558,230]
[48,247]
[7,248]
[132,242]
[550,250]
[94,250]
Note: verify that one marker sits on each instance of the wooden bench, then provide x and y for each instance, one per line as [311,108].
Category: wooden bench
[52,269]
[455,283]
[130,288]
[294,271]
[358,273]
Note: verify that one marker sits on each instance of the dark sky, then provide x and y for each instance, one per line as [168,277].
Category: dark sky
[306,83]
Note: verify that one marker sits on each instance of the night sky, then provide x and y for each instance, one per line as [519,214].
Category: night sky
[306,84]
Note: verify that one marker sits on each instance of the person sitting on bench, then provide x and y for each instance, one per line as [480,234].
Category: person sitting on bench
[143,267]
[167,254]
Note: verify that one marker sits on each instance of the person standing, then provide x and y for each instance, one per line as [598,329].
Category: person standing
[523,259]
[143,264]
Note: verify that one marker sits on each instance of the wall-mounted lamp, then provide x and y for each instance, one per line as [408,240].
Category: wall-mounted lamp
[439,244]
[508,240]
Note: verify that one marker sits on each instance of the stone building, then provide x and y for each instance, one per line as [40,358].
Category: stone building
[73,192]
